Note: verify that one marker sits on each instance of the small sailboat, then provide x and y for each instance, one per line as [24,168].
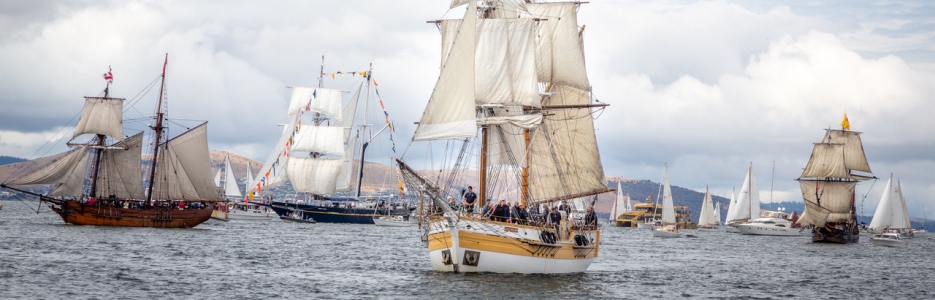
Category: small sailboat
[669,228]
[230,188]
[828,182]
[747,206]
[621,206]
[707,219]
[891,214]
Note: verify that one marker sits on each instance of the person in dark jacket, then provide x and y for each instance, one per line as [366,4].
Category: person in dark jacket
[469,198]
[590,219]
[501,212]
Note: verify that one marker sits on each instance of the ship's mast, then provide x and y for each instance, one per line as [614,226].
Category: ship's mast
[158,129]
[363,146]
[97,155]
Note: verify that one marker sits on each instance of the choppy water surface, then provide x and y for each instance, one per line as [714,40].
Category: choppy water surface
[40,257]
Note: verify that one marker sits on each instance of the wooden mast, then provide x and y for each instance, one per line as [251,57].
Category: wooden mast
[482,185]
[97,156]
[158,128]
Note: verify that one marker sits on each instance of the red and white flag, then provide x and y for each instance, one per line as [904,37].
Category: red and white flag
[109,76]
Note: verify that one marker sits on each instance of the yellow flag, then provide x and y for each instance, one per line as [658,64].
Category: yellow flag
[845,124]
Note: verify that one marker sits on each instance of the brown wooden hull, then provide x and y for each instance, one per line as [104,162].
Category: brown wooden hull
[82,214]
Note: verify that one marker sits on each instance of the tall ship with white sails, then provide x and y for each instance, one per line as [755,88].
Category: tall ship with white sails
[514,72]
[325,156]
[828,185]
[100,181]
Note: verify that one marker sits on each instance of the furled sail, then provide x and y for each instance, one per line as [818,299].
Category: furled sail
[835,196]
[854,157]
[101,116]
[183,171]
[450,112]
[230,186]
[120,171]
[668,206]
[504,60]
[312,175]
[560,47]
[563,154]
[827,161]
[321,139]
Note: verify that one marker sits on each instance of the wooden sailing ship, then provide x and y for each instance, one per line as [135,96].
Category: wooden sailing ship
[515,72]
[828,182]
[100,182]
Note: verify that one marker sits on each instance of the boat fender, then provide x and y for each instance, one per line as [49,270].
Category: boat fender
[581,240]
[547,237]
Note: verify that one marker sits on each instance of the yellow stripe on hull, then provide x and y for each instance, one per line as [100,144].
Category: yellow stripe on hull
[512,246]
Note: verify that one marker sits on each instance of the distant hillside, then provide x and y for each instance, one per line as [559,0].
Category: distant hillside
[5,160]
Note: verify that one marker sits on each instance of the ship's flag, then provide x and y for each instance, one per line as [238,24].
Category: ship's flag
[845,124]
[109,76]
[375,83]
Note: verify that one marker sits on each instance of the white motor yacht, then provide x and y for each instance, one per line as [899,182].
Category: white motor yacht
[769,226]
[890,239]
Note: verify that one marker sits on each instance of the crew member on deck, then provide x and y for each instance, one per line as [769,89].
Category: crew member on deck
[469,198]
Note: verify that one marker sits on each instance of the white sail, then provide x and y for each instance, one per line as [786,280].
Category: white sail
[564,159]
[732,207]
[230,185]
[560,47]
[827,161]
[743,209]
[450,112]
[854,157]
[249,174]
[617,204]
[706,217]
[183,171]
[312,175]
[668,206]
[717,214]
[321,139]
[900,212]
[504,60]
[217,178]
[349,170]
[323,101]
[101,116]
[883,216]
[350,113]
[120,171]
[834,196]
[275,164]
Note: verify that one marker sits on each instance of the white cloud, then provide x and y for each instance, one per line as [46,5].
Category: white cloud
[707,86]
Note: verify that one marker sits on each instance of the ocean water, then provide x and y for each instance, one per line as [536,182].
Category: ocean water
[41,258]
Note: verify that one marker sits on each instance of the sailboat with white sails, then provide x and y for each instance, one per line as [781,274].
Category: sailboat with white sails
[747,206]
[669,228]
[324,157]
[621,206]
[515,72]
[891,213]
[709,218]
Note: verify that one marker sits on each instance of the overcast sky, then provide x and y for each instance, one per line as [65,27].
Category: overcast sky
[705,86]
